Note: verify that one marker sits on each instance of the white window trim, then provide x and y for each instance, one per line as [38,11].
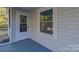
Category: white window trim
[54,35]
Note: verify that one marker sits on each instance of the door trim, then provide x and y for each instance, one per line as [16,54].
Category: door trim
[18,33]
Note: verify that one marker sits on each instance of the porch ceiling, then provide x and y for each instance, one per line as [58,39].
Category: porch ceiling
[28,8]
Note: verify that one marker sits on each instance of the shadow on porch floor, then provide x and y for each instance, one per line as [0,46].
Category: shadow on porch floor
[26,45]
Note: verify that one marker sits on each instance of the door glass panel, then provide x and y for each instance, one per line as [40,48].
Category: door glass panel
[23,23]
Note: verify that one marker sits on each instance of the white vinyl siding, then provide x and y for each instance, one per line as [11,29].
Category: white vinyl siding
[67,30]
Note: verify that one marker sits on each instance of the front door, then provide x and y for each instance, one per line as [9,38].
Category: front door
[22,31]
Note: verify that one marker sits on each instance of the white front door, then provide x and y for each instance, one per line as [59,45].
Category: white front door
[22,26]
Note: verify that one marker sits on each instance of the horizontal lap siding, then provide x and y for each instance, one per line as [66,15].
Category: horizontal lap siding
[68,25]
[67,30]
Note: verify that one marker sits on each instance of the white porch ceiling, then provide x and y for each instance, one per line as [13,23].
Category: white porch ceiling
[28,8]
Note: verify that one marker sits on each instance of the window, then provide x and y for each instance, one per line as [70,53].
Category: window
[23,23]
[46,23]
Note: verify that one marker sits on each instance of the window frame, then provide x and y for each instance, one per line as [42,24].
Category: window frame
[47,21]
[55,17]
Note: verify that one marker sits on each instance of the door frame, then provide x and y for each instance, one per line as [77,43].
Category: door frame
[18,20]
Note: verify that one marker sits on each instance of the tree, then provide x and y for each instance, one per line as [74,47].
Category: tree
[3,18]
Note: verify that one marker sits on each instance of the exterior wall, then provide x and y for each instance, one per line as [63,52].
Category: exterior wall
[47,40]
[67,27]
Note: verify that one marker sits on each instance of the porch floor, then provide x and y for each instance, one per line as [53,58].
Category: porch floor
[26,45]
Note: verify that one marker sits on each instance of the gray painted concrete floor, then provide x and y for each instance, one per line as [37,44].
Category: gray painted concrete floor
[26,45]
